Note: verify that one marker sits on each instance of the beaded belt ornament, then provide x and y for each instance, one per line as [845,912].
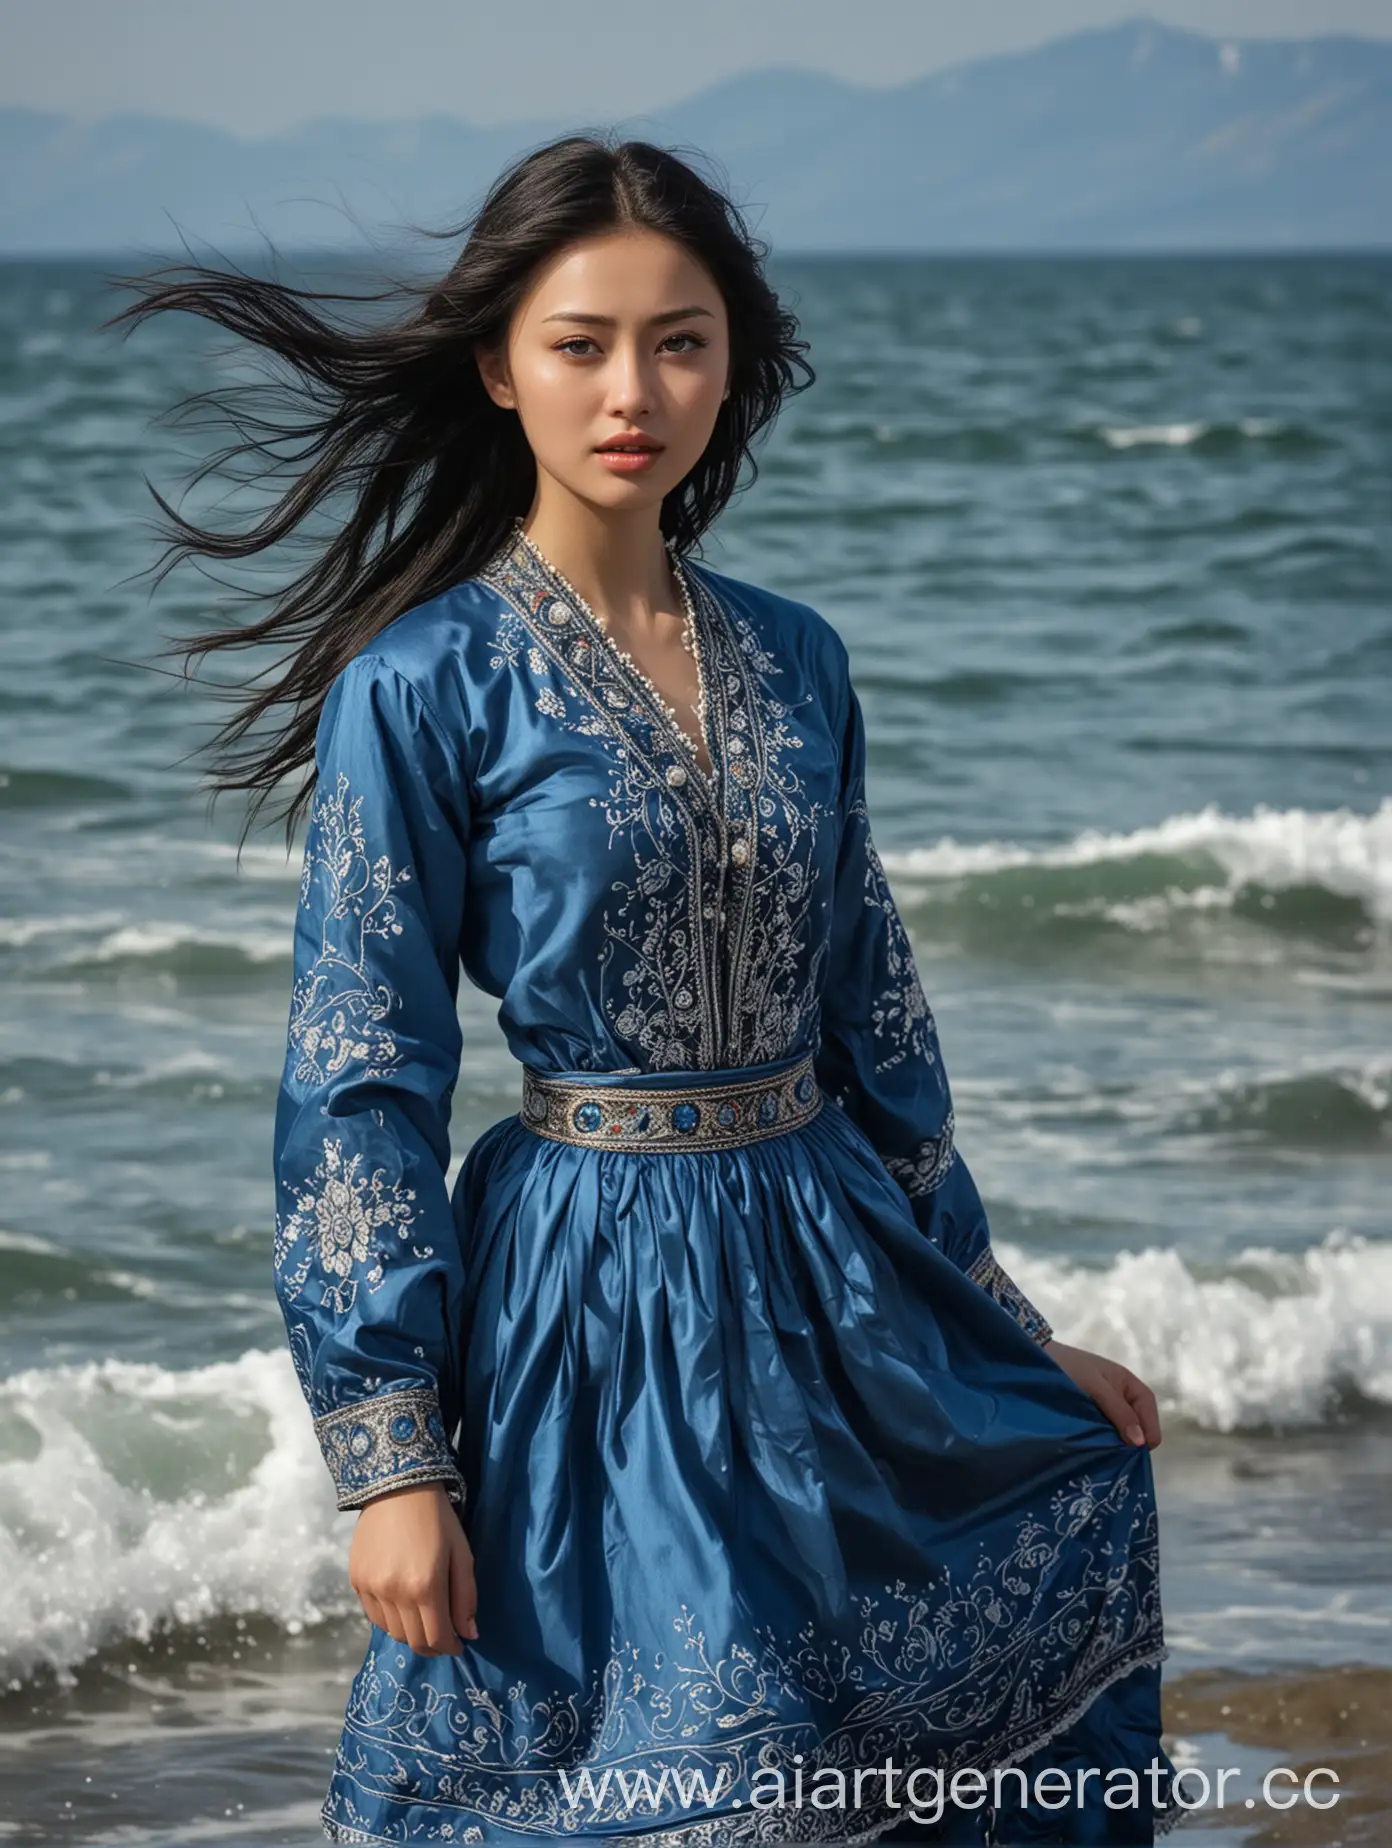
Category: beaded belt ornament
[687,1116]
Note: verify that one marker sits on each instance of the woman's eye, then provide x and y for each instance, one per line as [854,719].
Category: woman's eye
[582,346]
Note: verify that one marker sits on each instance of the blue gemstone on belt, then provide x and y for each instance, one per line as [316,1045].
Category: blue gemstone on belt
[685,1117]
[802,1090]
[726,1115]
[768,1107]
[587,1117]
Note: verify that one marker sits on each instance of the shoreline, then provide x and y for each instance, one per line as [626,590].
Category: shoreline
[166,1738]
[1339,1717]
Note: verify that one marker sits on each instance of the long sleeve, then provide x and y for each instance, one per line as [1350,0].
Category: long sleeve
[879,1055]
[368,1270]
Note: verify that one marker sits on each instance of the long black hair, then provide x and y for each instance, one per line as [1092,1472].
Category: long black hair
[395,413]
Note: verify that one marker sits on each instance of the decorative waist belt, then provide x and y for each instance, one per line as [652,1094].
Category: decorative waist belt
[616,1111]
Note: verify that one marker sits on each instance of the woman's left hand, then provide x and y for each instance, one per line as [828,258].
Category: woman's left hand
[1126,1400]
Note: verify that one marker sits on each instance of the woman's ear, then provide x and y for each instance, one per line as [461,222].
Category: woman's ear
[492,365]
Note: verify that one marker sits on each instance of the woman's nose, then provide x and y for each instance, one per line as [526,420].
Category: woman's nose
[630,386]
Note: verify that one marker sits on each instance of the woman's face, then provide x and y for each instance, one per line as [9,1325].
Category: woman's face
[621,336]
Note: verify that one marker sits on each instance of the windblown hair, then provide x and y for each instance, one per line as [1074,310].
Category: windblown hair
[393,414]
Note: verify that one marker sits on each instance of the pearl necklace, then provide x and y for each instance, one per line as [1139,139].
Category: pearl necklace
[690,639]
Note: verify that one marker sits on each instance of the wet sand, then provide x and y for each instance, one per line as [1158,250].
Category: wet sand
[1336,1717]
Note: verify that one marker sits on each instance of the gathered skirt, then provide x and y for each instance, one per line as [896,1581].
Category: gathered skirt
[763,1492]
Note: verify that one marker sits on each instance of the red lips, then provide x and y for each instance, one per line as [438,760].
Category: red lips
[636,441]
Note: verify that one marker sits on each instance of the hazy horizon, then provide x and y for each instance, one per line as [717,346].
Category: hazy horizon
[427,58]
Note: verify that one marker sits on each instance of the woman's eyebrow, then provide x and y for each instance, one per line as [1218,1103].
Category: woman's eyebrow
[607,320]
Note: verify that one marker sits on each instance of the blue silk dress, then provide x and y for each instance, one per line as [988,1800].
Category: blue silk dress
[767,1475]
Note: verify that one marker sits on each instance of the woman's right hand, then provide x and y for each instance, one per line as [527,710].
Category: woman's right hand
[413,1569]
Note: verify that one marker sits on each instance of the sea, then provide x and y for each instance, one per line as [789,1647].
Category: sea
[1109,540]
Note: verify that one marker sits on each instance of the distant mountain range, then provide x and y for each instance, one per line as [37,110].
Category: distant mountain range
[1130,138]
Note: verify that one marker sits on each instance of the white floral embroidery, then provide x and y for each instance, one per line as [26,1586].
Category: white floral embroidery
[338,1012]
[704,960]
[927,1167]
[972,1672]
[899,1013]
[335,1227]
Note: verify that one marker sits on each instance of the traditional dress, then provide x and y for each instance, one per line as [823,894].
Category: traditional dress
[766,1473]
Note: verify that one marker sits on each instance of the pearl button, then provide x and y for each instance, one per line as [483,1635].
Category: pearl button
[676,776]
[739,851]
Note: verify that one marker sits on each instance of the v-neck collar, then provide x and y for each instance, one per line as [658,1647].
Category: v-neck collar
[643,688]
[733,871]
[661,717]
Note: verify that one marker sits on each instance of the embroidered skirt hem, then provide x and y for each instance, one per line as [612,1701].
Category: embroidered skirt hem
[761,1485]
[723,1829]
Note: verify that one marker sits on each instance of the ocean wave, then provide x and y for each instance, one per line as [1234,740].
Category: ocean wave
[203,1494]
[181,949]
[189,1077]
[21,932]
[28,789]
[1318,1104]
[1344,1106]
[1201,861]
[134,1498]
[1213,436]
[1270,1338]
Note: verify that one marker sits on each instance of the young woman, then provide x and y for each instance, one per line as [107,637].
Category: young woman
[700,1442]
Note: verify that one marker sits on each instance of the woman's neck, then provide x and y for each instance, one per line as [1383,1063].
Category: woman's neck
[618,563]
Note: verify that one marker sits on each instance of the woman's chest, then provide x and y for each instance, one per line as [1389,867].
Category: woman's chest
[695,905]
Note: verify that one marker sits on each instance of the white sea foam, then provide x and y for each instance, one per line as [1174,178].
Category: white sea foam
[193,1063]
[132,1494]
[1271,1339]
[26,1241]
[1340,850]
[108,936]
[158,939]
[1173,435]
[1181,435]
[20,932]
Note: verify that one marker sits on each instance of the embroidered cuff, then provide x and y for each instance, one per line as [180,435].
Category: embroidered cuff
[986,1270]
[923,1171]
[385,1442]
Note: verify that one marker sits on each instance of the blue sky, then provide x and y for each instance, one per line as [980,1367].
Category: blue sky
[259,66]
